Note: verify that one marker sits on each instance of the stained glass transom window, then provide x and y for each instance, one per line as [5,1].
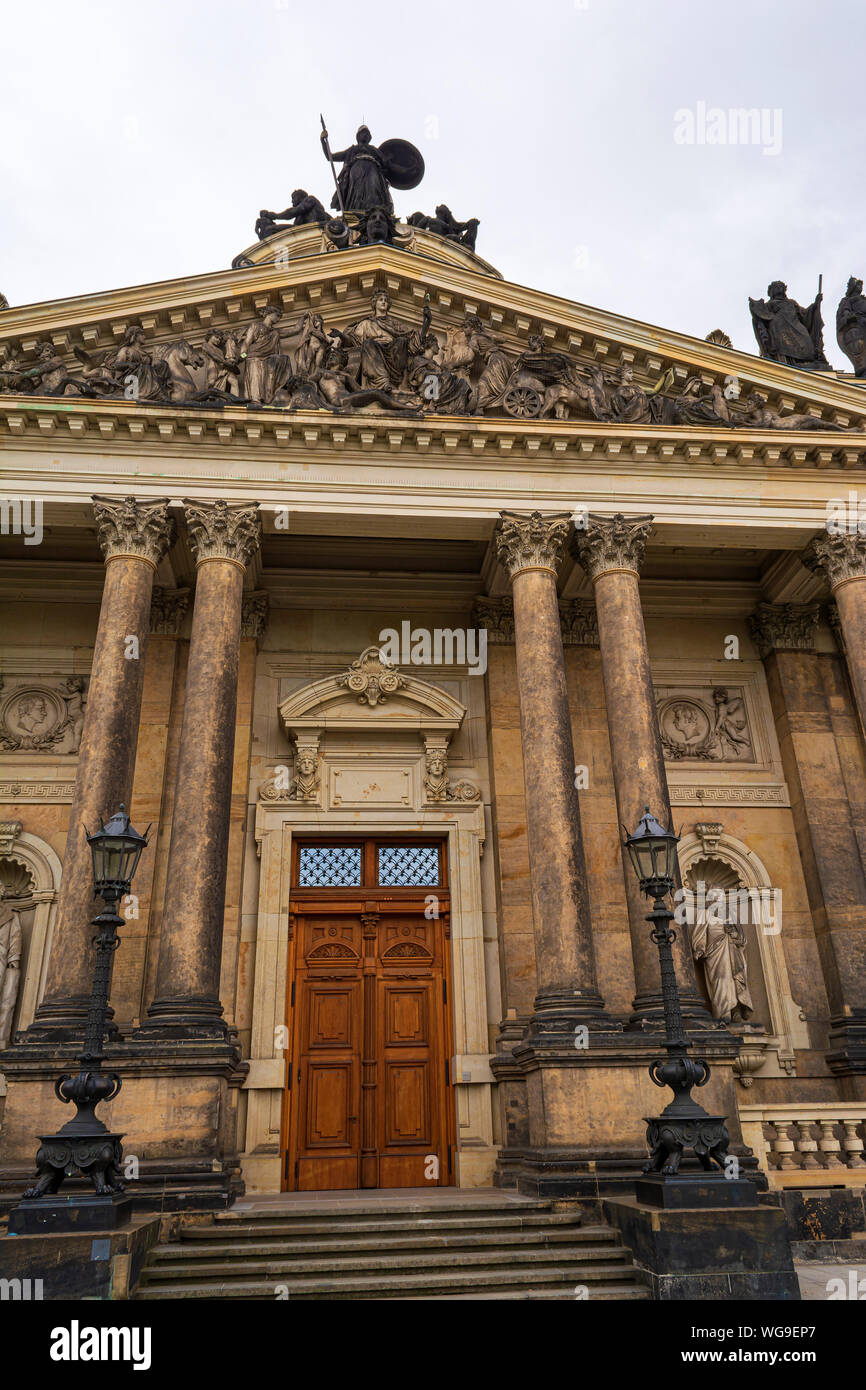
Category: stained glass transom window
[330,866]
[408,866]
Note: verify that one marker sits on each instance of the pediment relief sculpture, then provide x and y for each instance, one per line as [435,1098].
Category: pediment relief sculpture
[385,363]
[39,716]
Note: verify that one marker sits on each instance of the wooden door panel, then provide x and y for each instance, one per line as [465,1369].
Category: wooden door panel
[407,1105]
[330,1106]
[328,1082]
[406,1015]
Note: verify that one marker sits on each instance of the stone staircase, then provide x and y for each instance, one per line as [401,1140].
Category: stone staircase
[408,1249]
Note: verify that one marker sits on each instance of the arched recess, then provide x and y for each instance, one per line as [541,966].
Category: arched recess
[31,869]
[778,1026]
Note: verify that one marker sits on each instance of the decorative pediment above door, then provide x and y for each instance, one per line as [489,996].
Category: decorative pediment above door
[371,735]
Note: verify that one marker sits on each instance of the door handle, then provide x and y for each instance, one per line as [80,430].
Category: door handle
[353,1119]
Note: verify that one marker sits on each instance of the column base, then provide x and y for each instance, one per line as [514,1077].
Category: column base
[64,1021]
[648,1014]
[183,1019]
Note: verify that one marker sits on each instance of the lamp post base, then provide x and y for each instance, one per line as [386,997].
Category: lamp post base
[690,1190]
[37,1216]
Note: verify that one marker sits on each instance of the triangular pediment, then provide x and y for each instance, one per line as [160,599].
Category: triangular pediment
[523,336]
[371,693]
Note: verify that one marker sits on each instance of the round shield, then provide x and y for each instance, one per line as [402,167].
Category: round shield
[404,164]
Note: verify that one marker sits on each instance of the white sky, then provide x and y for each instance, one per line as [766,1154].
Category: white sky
[138,141]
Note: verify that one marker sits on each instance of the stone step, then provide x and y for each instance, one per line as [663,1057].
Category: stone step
[347,1266]
[348,1224]
[601,1293]
[348,1241]
[513,1281]
[298,1204]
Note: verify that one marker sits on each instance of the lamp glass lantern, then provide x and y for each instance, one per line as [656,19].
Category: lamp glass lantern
[116,849]
[653,854]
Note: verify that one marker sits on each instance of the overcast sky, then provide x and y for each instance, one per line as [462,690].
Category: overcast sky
[140,140]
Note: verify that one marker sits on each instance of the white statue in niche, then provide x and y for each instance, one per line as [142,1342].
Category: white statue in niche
[721,944]
[10,964]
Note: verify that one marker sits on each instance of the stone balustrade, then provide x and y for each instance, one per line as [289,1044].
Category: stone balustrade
[819,1145]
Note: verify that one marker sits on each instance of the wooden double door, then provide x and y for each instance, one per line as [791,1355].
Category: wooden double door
[367,1086]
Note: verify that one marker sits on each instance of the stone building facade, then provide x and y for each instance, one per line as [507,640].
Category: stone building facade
[383,934]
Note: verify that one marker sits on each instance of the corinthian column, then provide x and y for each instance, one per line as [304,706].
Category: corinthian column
[842,558]
[611,551]
[530,548]
[186,1004]
[133,536]
[807,706]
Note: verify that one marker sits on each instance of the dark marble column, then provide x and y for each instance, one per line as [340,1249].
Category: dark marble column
[825,828]
[611,551]
[186,1003]
[133,536]
[530,548]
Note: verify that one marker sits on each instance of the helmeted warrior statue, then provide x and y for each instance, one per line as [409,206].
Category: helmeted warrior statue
[788,333]
[369,171]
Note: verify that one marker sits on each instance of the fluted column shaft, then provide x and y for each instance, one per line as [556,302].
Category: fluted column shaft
[611,550]
[134,536]
[530,548]
[186,1001]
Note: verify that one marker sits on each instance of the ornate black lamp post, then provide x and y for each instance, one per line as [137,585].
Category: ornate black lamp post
[683,1124]
[84,1145]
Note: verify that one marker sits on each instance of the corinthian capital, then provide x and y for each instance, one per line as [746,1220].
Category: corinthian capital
[223,531]
[530,540]
[128,527]
[839,556]
[784,627]
[611,543]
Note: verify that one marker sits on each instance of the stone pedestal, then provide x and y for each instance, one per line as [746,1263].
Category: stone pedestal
[719,1253]
[90,1264]
[134,536]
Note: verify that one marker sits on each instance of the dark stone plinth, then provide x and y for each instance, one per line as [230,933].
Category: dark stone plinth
[708,1252]
[825,1213]
[77,1265]
[694,1190]
[40,1215]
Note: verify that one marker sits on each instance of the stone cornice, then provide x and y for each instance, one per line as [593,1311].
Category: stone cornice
[315,282]
[129,426]
[841,557]
[531,540]
[129,527]
[784,627]
[223,531]
[611,543]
